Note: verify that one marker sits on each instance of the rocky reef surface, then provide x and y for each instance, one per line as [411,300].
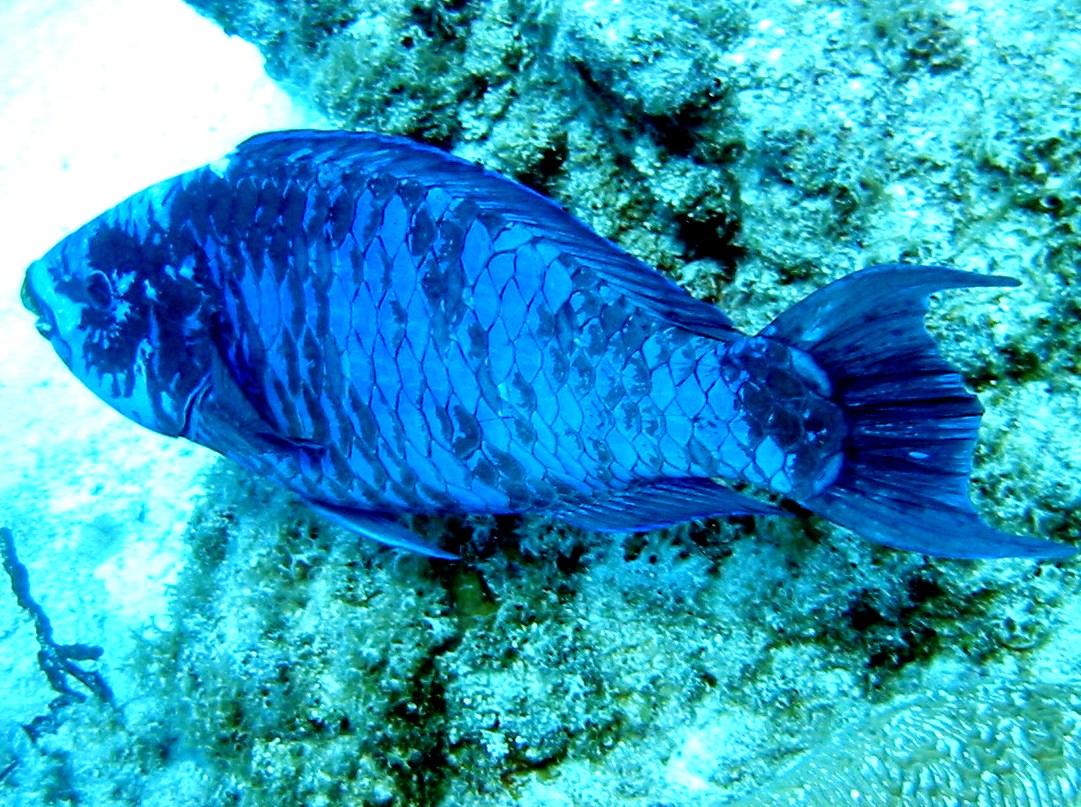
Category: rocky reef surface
[754,151]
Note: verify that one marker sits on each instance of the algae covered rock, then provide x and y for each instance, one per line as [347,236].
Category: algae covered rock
[299,668]
[707,663]
[554,94]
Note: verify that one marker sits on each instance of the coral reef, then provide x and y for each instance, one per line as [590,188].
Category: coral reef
[753,151]
[759,664]
[983,743]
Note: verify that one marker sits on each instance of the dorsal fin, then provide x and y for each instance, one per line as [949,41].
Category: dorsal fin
[502,196]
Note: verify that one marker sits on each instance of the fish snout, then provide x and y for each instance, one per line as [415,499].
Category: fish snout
[30,300]
[46,320]
[33,303]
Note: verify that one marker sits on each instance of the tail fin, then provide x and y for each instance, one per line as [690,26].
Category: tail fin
[911,423]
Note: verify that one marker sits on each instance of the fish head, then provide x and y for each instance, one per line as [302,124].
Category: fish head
[123,304]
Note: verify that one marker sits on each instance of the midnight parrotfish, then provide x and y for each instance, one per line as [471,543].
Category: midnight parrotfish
[386,329]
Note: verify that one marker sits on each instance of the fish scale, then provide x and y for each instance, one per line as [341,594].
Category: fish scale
[385,329]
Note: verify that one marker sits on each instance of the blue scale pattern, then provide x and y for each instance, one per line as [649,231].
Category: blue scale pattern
[482,391]
[408,333]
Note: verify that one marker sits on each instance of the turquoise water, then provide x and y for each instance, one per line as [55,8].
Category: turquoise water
[256,655]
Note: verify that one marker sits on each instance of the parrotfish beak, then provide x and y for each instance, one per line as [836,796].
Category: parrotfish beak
[45,324]
[28,298]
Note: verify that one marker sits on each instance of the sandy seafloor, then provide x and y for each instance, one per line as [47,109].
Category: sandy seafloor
[98,98]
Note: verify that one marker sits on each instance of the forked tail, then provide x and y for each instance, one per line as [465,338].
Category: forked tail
[911,423]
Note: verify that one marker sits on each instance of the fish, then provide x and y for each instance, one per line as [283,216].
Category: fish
[386,330]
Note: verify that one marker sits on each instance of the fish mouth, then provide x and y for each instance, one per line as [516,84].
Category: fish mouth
[35,305]
[29,298]
[45,324]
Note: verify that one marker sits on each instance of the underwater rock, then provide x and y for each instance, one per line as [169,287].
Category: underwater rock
[707,663]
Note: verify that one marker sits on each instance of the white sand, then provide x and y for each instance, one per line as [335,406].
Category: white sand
[98,98]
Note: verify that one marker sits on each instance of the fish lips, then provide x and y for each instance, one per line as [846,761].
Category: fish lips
[46,323]
[31,302]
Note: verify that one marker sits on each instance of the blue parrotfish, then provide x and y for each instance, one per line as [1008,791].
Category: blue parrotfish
[386,330]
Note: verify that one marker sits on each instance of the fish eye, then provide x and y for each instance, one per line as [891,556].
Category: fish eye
[100,290]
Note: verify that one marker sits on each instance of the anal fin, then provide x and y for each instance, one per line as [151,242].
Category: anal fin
[662,503]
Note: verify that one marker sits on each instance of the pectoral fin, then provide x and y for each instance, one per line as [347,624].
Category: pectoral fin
[223,417]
